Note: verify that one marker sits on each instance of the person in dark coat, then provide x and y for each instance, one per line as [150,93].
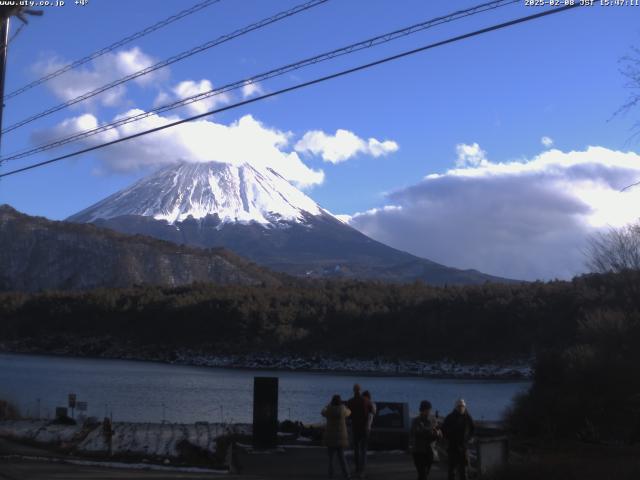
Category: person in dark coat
[336,438]
[424,432]
[458,429]
[360,408]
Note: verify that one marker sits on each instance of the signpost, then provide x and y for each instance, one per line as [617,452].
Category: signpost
[390,429]
[391,416]
[72,403]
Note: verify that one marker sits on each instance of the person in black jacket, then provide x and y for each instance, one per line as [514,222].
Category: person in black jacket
[424,432]
[361,408]
[458,428]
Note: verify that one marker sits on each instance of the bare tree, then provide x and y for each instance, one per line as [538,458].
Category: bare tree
[630,69]
[616,250]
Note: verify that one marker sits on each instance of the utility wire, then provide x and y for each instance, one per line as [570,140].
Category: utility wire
[176,58]
[299,86]
[629,187]
[369,43]
[16,33]
[98,53]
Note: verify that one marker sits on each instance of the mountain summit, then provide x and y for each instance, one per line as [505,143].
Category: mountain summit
[240,194]
[261,216]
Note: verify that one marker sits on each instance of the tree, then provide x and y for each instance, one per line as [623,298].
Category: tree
[631,71]
[616,250]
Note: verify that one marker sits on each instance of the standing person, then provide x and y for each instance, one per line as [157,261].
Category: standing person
[458,428]
[374,411]
[360,409]
[424,432]
[335,435]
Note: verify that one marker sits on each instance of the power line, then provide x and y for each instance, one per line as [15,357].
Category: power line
[13,35]
[5,24]
[6,13]
[176,58]
[98,53]
[629,187]
[299,86]
[17,32]
[369,43]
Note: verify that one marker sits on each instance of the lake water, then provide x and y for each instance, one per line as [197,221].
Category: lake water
[151,392]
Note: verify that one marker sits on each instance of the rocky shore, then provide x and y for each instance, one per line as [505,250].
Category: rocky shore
[382,367]
[497,370]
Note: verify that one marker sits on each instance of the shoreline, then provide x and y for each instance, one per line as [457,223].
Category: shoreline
[443,370]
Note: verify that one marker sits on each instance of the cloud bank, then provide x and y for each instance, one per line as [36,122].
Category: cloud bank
[189,88]
[252,89]
[244,141]
[342,146]
[470,155]
[99,72]
[526,219]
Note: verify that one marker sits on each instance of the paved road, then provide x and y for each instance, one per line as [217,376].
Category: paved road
[16,463]
[292,464]
[27,470]
[311,463]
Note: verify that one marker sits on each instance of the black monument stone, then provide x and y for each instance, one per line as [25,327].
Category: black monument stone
[265,412]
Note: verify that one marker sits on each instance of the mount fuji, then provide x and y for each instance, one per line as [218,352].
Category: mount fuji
[234,194]
[261,216]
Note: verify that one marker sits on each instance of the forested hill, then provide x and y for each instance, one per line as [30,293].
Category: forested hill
[360,319]
[39,254]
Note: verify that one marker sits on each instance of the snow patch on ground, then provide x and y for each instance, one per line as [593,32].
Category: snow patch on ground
[159,440]
[153,439]
[41,431]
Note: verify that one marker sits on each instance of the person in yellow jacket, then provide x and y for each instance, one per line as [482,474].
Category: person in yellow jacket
[336,437]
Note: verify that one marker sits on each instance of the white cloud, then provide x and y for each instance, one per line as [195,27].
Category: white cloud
[525,219]
[377,148]
[189,88]
[344,218]
[243,141]
[252,89]
[546,141]
[99,72]
[470,155]
[342,146]
[163,98]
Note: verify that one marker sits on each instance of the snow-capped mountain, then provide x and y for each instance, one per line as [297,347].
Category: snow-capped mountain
[241,194]
[261,216]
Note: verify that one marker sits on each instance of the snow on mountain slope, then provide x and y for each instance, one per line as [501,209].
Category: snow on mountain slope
[260,216]
[240,194]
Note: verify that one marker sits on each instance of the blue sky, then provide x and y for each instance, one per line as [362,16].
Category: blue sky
[557,77]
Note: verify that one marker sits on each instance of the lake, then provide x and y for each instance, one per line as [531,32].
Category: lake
[152,392]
